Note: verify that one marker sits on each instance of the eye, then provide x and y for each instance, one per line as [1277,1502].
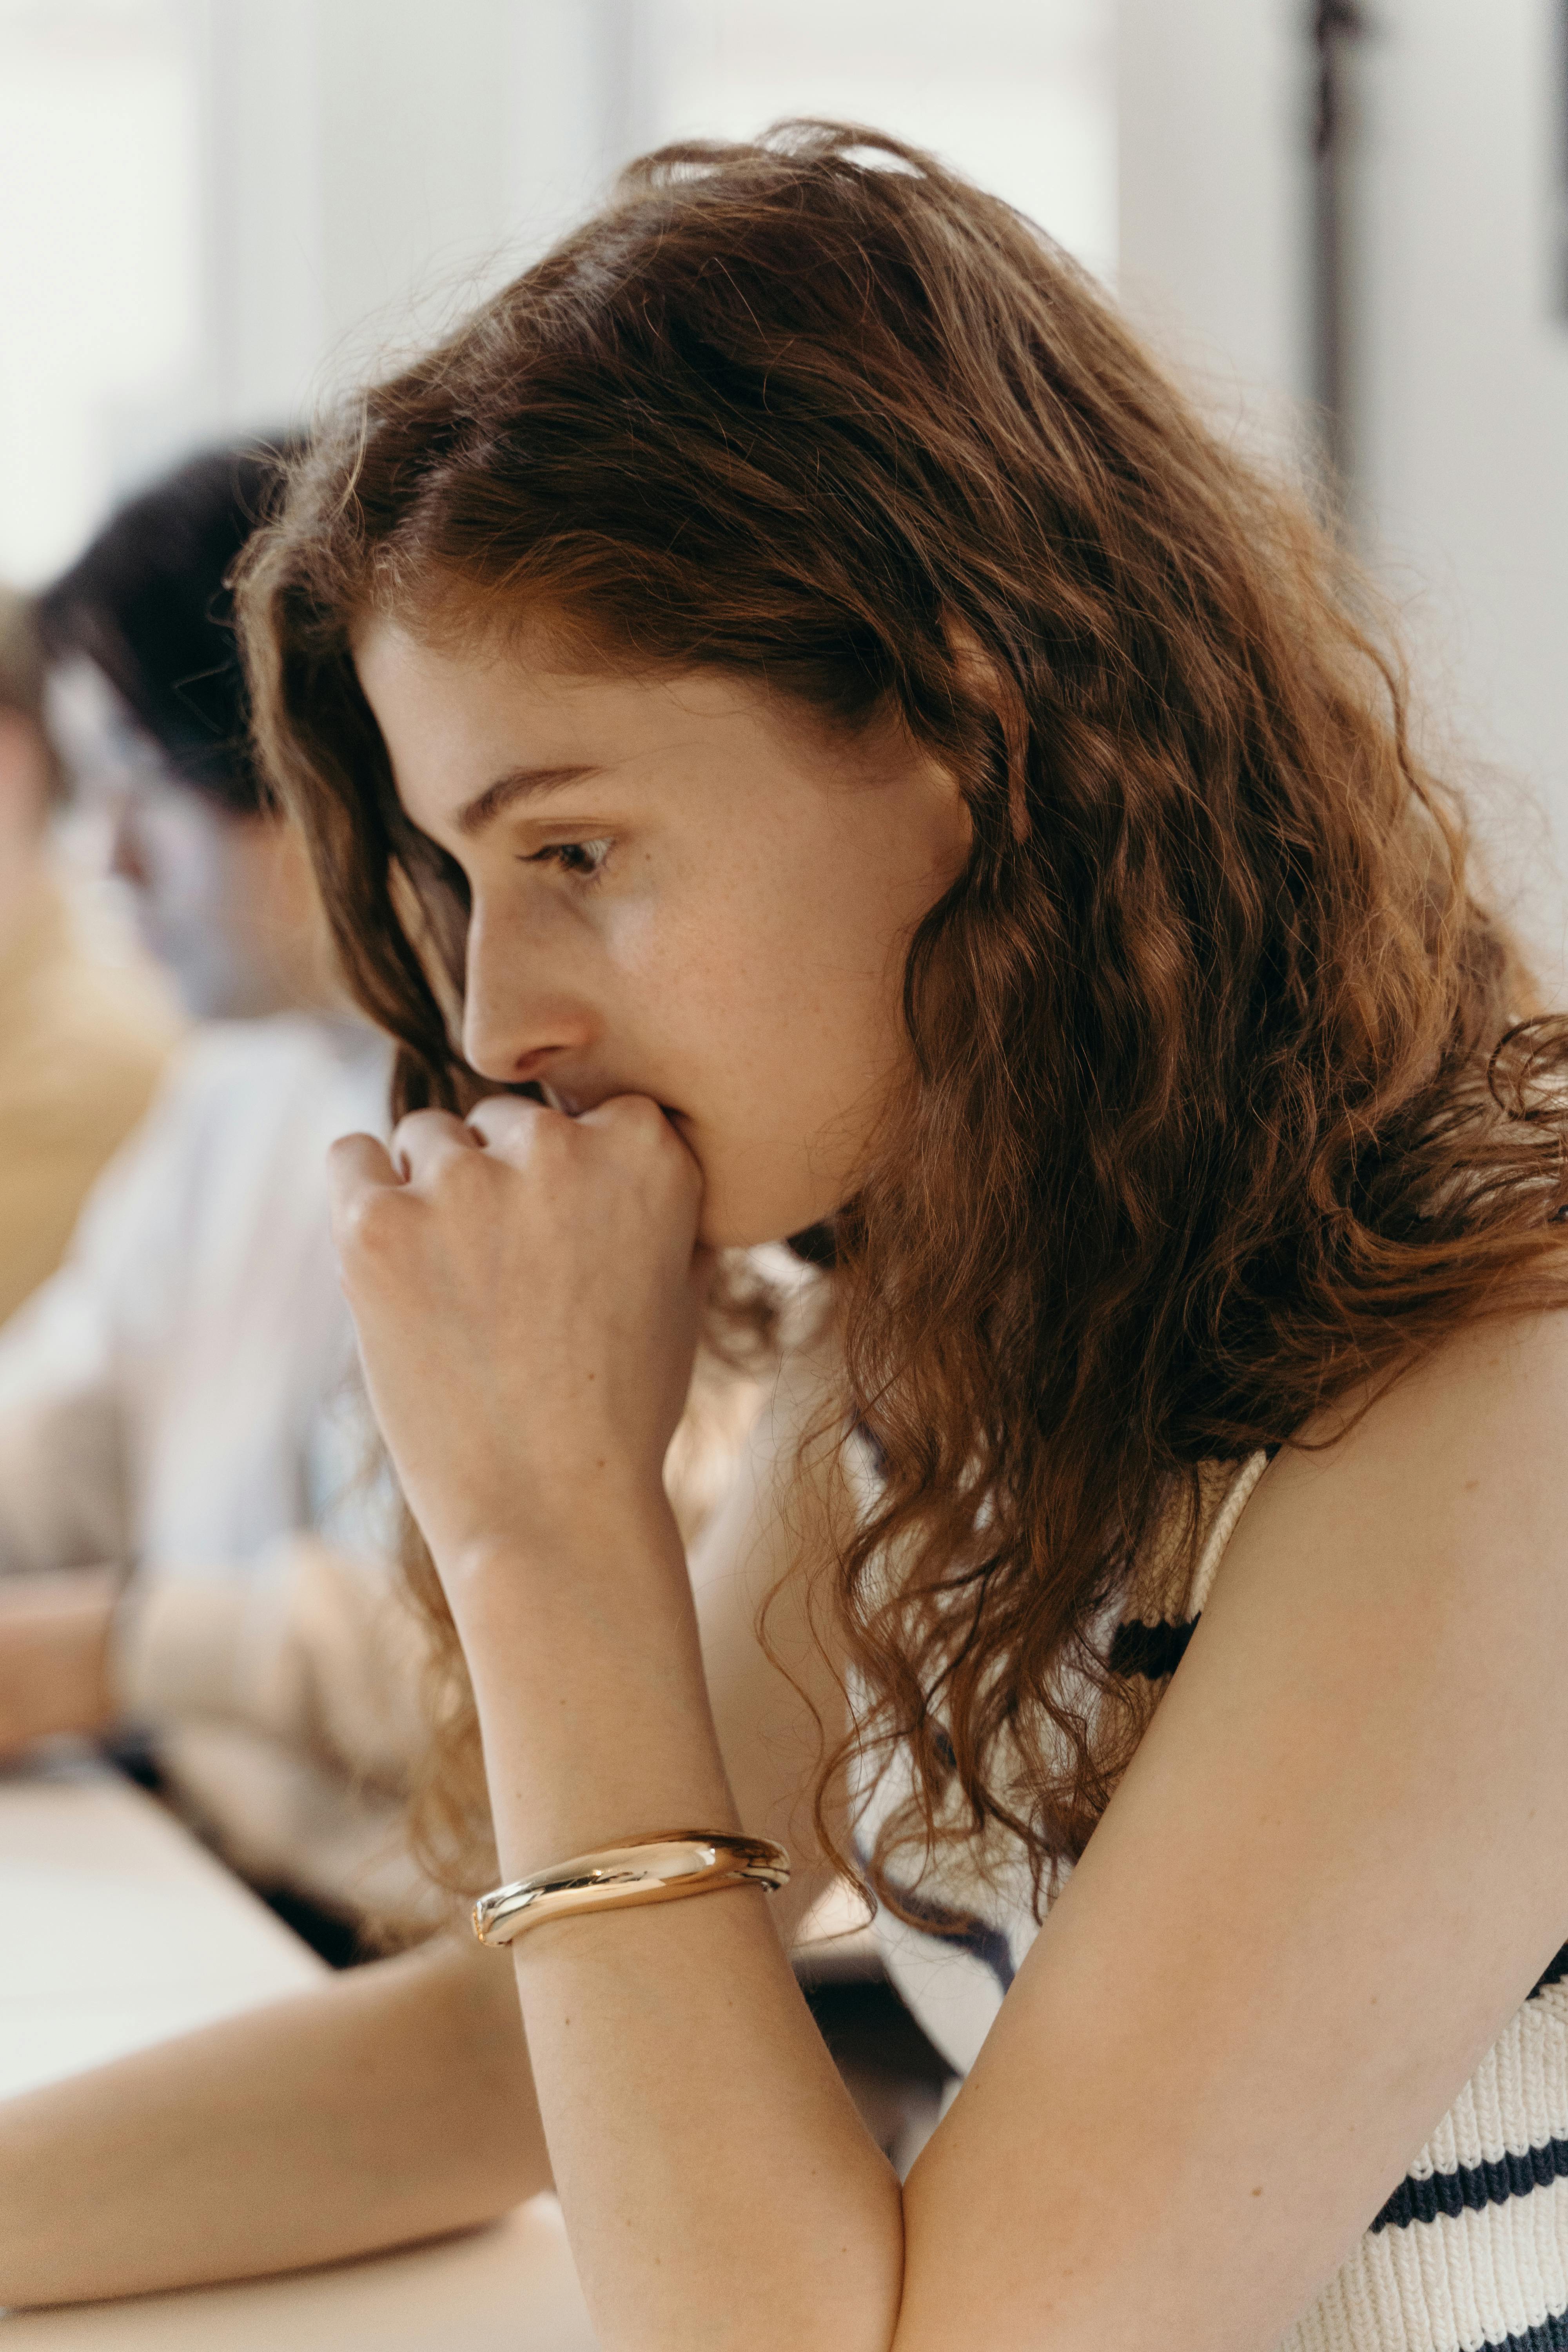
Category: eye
[584,858]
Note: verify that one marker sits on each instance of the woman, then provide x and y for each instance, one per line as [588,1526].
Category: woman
[874,769]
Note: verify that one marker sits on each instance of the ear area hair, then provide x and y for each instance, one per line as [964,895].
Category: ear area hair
[982,679]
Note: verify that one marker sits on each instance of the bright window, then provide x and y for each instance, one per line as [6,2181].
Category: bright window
[100,265]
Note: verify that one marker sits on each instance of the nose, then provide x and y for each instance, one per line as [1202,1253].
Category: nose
[519,1015]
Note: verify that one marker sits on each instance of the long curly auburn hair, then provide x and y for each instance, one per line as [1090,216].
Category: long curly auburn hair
[1224,1097]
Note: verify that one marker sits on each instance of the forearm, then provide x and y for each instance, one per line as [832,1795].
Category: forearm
[393,2105]
[310,1647]
[54,1633]
[62,1436]
[720,2189]
[718,2186]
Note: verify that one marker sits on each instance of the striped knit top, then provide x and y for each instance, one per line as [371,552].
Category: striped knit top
[1469,2251]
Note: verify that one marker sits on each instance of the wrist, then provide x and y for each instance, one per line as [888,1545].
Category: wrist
[587,1675]
[560,1576]
[619,1522]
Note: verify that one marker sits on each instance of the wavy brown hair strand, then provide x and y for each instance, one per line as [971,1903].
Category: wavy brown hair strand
[1227,1098]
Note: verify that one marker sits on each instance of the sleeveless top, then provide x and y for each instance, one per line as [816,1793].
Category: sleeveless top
[1469,2251]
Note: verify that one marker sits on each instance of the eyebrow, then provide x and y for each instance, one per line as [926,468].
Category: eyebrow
[517,784]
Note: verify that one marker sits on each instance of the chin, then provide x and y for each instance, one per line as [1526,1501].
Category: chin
[725,1233]
[731,1221]
[752,1195]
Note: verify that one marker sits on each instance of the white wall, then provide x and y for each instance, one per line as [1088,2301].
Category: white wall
[1464,398]
[99,270]
[214,209]
[329,179]
[1213,100]
[1460,392]
[374,165]
[1020,94]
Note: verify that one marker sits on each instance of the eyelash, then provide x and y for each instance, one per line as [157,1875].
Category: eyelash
[561,853]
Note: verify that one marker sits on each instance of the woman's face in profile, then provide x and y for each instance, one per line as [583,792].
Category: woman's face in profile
[681,887]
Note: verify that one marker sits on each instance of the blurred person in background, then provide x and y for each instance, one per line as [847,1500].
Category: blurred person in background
[189,1539]
[82,1036]
[194,1545]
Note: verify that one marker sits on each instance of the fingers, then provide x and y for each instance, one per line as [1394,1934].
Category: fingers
[424,1141]
[511,1119]
[368,1186]
[629,1115]
[635,1129]
[356,1163]
[420,1144]
[507,1123]
[366,1179]
[371,1188]
[645,1132]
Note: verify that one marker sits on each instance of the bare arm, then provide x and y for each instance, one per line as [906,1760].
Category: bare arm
[1276,1965]
[394,2103]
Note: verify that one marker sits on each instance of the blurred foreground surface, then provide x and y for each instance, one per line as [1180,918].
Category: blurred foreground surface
[119,1929]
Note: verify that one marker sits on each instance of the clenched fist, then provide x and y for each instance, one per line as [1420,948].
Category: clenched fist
[527,1289]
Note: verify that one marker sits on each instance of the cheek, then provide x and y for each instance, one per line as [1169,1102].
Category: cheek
[784,1007]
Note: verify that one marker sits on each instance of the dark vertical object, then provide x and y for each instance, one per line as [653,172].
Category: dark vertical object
[1336,26]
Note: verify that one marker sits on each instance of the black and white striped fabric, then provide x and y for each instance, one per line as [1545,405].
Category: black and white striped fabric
[1469,2251]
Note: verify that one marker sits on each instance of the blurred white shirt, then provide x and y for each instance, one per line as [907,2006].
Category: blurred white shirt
[181,1398]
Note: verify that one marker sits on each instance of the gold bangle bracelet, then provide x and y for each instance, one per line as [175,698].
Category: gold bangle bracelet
[655,1870]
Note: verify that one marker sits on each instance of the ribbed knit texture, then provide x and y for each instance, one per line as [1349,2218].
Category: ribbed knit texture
[1469,2251]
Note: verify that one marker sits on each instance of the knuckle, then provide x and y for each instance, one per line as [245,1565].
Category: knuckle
[416,1126]
[502,1110]
[371,1222]
[641,1124]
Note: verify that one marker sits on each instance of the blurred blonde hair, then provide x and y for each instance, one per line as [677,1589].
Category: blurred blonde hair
[22,675]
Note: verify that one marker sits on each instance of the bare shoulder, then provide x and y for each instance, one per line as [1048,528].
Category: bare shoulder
[1458,1466]
[1328,1880]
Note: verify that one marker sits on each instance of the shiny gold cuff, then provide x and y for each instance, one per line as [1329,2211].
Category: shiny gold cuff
[655,1870]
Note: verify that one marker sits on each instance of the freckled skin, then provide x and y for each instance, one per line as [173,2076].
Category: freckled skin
[716,914]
